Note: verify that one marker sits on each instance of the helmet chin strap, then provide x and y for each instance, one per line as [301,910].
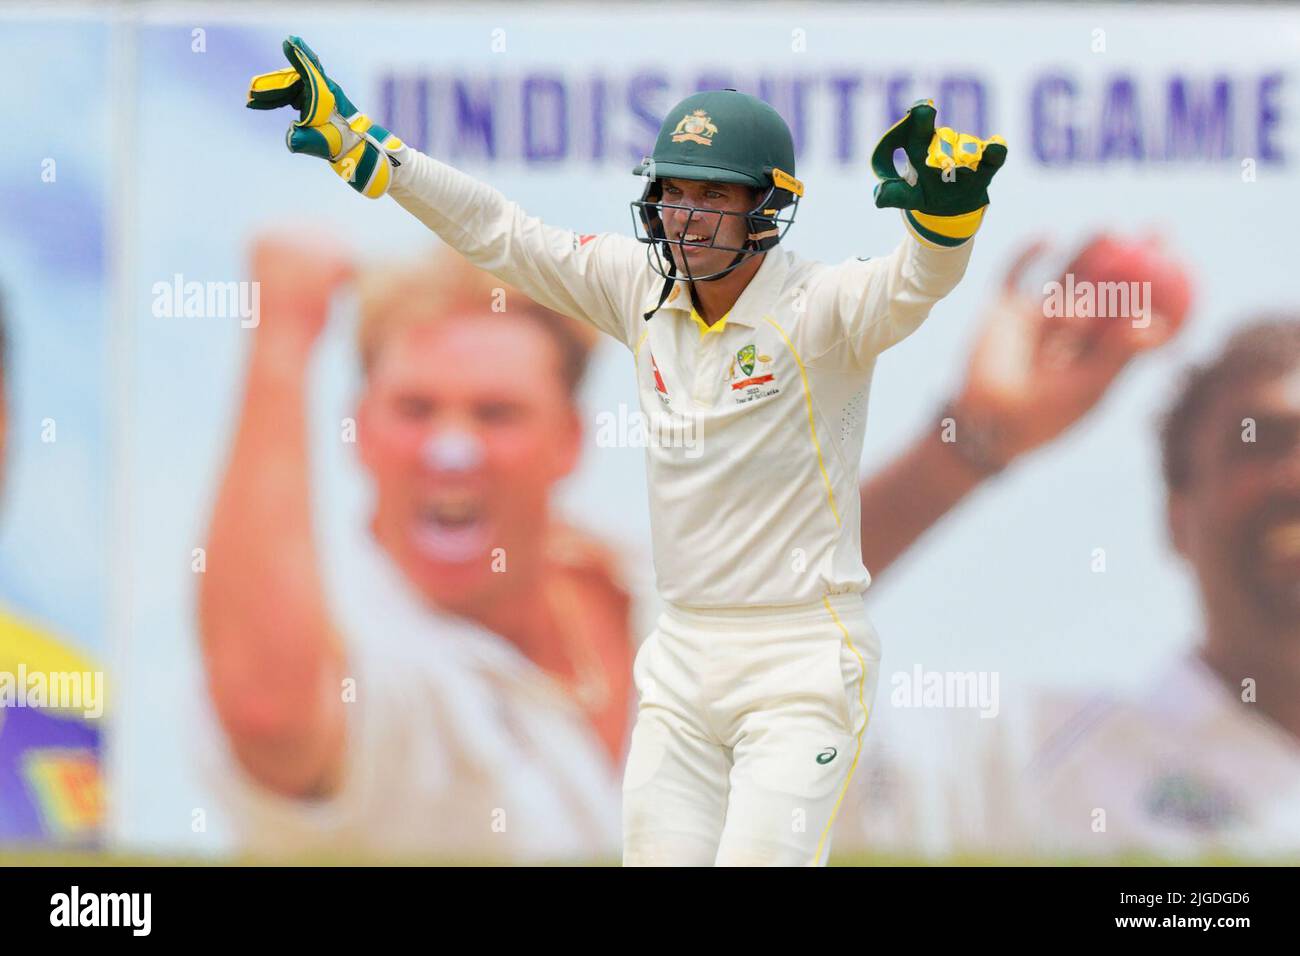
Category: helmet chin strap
[740,257]
[672,276]
[664,293]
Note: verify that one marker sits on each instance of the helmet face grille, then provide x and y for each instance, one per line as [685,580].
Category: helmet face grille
[718,136]
[766,225]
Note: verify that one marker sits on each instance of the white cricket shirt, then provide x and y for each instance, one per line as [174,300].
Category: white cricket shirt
[1183,768]
[1180,768]
[458,746]
[755,425]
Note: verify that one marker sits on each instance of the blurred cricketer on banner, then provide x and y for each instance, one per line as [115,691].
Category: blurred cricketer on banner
[1204,759]
[756,684]
[51,790]
[449,676]
[948,779]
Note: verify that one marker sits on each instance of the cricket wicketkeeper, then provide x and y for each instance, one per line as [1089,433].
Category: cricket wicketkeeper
[757,683]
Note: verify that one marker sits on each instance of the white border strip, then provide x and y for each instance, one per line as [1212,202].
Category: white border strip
[120,262]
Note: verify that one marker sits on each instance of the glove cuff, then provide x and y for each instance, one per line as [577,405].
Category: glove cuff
[366,165]
[946,232]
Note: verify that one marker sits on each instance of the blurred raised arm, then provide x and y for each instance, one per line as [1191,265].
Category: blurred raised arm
[273,660]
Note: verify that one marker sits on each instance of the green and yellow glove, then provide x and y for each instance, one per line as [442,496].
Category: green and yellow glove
[945,202]
[328,125]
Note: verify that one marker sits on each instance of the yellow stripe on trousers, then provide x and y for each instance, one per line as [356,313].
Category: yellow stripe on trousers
[862,664]
[857,753]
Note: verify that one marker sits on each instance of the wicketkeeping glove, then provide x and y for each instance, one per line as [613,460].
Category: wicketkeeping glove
[945,201]
[328,125]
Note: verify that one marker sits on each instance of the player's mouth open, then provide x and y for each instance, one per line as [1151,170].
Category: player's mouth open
[452,528]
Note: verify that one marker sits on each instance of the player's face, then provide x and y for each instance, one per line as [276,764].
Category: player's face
[706,225]
[465,426]
[1241,516]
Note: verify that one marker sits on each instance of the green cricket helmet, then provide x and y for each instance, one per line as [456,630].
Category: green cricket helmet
[718,136]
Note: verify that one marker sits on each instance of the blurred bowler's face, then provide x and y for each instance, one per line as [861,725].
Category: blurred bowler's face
[465,426]
[1238,522]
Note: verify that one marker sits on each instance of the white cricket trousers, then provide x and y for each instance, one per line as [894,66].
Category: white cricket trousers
[748,732]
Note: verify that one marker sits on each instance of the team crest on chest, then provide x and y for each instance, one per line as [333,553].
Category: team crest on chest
[1188,800]
[750,375]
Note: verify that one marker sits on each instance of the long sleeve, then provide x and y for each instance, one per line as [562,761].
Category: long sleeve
[591,278]
[869,305]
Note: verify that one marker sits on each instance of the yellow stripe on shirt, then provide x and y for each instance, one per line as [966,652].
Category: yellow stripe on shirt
[812,423]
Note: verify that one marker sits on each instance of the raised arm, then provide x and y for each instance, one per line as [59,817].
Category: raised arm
[1028,380]
[273,660]
[583,276]
[591,278]
[867,305]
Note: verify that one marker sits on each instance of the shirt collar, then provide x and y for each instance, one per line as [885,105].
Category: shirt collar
[755,300]
[1200,698]
[1191,690]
